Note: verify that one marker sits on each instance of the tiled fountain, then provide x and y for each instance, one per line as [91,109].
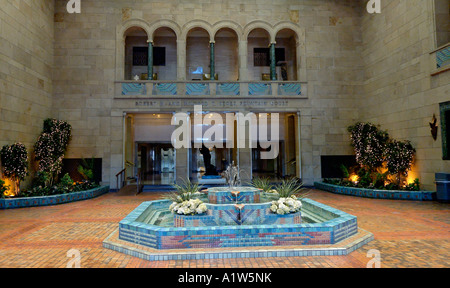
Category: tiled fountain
[236,217]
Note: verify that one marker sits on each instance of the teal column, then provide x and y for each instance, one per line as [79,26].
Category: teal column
[273,64]
[150,60]
[212,71]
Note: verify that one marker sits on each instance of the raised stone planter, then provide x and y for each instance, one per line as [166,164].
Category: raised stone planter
[13,203]
[377,194]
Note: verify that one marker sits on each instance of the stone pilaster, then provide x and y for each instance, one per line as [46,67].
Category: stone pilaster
[212,61]
[273,63]
[150,60]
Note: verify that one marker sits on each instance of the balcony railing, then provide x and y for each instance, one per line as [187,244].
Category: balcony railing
[200,89]
[441,56]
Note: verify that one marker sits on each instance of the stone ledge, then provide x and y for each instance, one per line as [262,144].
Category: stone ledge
[377,194]
[14,203]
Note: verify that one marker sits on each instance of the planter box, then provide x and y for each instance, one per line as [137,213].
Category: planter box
[275,219]
[13,203]
[377,194]
[226,215]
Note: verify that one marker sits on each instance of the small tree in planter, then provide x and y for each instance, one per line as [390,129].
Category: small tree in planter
[369,143]
[15,163]
[50,147]
[399,157]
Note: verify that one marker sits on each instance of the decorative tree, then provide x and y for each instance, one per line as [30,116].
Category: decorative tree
[15,163]
[399,157]
[369,143]
[50,147]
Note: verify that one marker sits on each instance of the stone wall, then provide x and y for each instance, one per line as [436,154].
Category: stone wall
[400,93]
[26,61]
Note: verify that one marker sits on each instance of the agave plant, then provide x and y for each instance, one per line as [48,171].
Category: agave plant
[262,183]
[290,187]
[185,191]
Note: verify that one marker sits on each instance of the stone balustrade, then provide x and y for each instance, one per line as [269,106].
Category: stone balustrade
[188,89]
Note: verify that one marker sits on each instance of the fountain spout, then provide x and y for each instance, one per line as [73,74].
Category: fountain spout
[232,175]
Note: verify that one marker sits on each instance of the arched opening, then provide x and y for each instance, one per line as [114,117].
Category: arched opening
[259,54]
[227,54]
[136,53]
[197,53]
[286,46]
[165,54]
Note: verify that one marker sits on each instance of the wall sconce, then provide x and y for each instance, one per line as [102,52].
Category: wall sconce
[434,127]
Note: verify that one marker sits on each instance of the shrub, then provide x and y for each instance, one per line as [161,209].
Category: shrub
[368,142]
[399,158]
[185,191]
[3,188]
[288,188]
[415,186]
[50,147]
[86,169]
[262,183]
[15,163]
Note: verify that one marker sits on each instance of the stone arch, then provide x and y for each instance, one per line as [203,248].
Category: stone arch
[139,23]
[259,24]
[196,24]
[120,43]
[288,25]
[227,24]
[165,24]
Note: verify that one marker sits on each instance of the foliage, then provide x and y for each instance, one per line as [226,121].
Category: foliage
[262,183]
[364,178]
[399,158]
[86,169]
[368,142]
[64,187]
[415,186]
[380,180]
[185,191]
[289,187]
[3,188]
[50,147]
[15,162]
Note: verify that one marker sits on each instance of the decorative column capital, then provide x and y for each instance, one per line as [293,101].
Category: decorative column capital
[150,41]
[212,42]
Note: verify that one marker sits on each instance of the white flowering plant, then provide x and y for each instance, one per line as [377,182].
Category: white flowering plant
[189,207]
[286,205]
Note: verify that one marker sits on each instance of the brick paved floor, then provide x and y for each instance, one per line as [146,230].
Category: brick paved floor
[407,234]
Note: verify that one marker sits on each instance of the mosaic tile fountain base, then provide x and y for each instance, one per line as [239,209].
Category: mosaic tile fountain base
[337,227]
[341,248]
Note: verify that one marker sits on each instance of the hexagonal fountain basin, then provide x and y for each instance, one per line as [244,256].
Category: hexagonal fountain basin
[151,224]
